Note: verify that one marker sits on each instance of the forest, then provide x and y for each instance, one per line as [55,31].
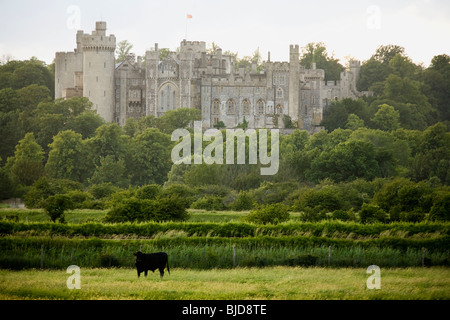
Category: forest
[381,158]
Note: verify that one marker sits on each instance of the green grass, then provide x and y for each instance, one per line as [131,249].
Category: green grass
[91,215]
[287,283]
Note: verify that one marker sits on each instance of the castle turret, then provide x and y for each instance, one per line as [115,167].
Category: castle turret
[98,70]
[294,68]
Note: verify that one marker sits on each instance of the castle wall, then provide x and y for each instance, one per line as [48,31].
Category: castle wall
[66,65]
[193,78]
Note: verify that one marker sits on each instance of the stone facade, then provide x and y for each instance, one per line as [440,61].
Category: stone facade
[193,78]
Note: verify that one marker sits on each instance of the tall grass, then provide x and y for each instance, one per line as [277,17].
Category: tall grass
[203,254]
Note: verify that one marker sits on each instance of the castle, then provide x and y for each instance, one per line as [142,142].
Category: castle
[193,78]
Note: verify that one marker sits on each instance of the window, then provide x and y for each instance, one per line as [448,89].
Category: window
[168,97]
[279,93]
[216,107]
[246,107]
[279,109]
[230,106]
[260,106]
[281,80]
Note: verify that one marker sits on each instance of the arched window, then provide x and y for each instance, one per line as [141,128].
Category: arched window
[216,107]
[279,93]
[260,106]
[230,106]
[168,97]
[279,109]
[246,106]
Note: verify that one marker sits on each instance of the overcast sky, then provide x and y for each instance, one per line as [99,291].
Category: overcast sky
[348,28]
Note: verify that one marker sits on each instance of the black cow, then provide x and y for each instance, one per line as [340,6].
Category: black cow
[151,261]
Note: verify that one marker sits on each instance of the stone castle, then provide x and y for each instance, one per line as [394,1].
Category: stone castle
[194,78]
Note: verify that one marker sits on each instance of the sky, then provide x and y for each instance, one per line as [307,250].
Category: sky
[349,29]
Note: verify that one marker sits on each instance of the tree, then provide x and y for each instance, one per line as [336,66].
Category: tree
[27,165]
[123,50]
[150,157]
[86,123]
[177,119]
[110,170]
[67,157]
[337,114]
[317,52]
[347,161]
[56,205]
[386,118]
[354,122]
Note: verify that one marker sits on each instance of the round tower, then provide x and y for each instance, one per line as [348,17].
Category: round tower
[98,70]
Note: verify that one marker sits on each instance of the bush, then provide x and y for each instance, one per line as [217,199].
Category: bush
[209,203]
[56,205]
[343,215]
[46,187]
[172,208]
[149,192]
[441,209]
[79,198]
[181,191]
[372,213]
[103,190]
[271,213]
[323,200]
[243,202]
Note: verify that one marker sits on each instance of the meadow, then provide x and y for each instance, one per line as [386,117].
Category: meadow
[216,255]
[271,283]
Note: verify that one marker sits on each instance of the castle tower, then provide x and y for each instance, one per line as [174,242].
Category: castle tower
[294,73]
[355,68]
[98,70]
[67,64]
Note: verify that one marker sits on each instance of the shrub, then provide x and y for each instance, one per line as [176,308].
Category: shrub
[243,202]
[46,187]
[149,192]
[343,215]
[103,190]
[172,208]
[181,191]
[56,205]
[79,198]
[271,213]
[441,209]
[370,213]
[209,203]
[322,200]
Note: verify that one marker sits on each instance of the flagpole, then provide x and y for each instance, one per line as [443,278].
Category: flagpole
[188,16]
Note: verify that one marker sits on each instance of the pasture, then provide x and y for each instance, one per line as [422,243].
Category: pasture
[215,255]
[270,283]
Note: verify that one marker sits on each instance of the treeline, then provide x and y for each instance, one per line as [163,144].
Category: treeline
[396,142]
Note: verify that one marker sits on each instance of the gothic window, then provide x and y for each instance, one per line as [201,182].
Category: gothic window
[168,95]
[173,99]
[281,80]
[260,106]
[279,109]
[245,106]
[216,107]
[230,106]
[279,93]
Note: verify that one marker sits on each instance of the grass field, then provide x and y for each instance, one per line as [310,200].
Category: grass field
[272,283]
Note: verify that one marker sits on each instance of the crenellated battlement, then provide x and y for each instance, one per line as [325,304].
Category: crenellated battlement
[195,46]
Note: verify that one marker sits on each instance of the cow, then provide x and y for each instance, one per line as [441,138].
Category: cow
[151,261]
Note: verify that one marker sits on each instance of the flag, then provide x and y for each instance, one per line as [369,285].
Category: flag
[189,16]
